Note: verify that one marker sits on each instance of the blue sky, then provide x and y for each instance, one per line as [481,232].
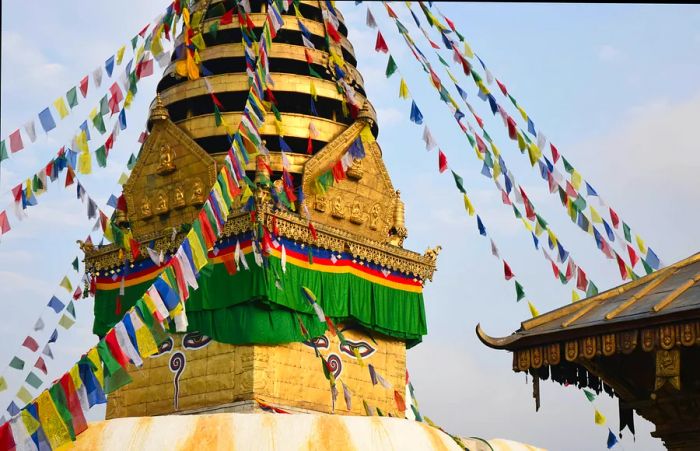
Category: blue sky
[615,87]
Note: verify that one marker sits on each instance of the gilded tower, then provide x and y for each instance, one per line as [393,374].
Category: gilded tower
[251,336]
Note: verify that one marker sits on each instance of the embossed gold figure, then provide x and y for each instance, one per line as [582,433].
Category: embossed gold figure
[146,211]
[167,157]
[197,197]
[161,203]
[337,208]
[179,201]
[356,214]
[355,172]
[320,203]
[375,216]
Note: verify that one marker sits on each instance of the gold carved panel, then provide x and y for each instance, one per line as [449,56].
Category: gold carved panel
[170,181]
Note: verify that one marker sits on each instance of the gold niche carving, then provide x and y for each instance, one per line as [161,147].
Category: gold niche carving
[166,163]
[355,172]
[337,210]
[161,202]
[668,368]
[197,197]
[374,217]
[356,213]
[146,211]
[320,203]
[179,195]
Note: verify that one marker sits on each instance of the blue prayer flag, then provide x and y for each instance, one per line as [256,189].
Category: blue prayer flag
[46,119]
[109,65]
[170,298]
[652,259]
[84,127]
[461,92]
[12,409]
[459,115]
[590,190]
[112,202]
[550,166]
[536,241]
[493,104]
[612,440]
[480,225]
[122,119]
[485,171]
[608,231]
[563,253]
[72,158]
[416,116]
[56,304]
[284,146]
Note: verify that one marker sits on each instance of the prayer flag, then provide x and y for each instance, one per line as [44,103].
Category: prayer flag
[56,304]
[442,161]
[31,344]
[33,380]
[370,22]
[380,45]
[519,291]
[416,116]
[480,226]
[66,322]
[61,107]
[17,363]
[403,89]
[581,280]
[4,223]
[507,272]
[599,418]
[391,67]
[72,97]
[30,128]
[16,143]
[533,310]
[47,121]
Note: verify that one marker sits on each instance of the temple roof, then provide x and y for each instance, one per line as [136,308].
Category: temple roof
[666,296]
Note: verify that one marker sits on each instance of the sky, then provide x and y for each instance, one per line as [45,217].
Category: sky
[615,87]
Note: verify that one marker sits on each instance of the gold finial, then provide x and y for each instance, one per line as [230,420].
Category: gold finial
[159,112]
[399,229]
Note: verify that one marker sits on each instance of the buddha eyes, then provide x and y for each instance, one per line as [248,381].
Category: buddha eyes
[362,347]
[318,342]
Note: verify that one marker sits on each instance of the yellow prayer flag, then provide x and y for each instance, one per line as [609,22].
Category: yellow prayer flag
[3,384]
[156,46]
[198,41]
[312,90]
[468,50]
[196,18]
[81,141]
[527,224]
[522,145]
[108,234]
[128,99]
[144,340]
[534,153]
[599,418]
[181,68]
[75,376]
[99,372]
[403,89]
[24,395]
[496,169]
[479,155]
[123,179]
[199,255]
[538,229]
[495,150]
[93,113]
[29,422]
[65,283]
[522,112]
[576,179]
[533,310]
[552,237]
[452,77]
[366,135]
[85,163]
[279,127]
[186,16]
[595,217]
[55,429]
[640,244]
[575,296]
[120,54]
[61,107]
[468,205]
[246,194]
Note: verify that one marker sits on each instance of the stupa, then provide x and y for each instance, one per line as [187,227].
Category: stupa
[246,344]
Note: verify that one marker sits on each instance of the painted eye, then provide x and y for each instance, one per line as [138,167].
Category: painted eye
[362,347]
[320,342]
[195,340]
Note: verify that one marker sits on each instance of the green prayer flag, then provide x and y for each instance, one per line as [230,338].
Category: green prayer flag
[134,40]
[71,308]
[488,161]
[459,182]
[461,38]
[647,268]
[475,76]
[390,67]
[214,29]
[592,290]
[628,233]
[487,137]
[471,140]
[567,166]
[519,292]
[115,376]
[313,73]
[579,203]
[379,412]
[3,151]
[132,162]
[562,278]
[217,116]
[444,63]
[36,183]
[76,264]
[72,97]
[541,221]
[33,380]
[101,156]
[276,112]
[517,212]
[401,27]
[17,363]
[104,105]
[589,395]
[58,396]
[633,275]
[99,123]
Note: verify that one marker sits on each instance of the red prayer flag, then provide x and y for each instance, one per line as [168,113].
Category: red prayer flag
[505,198]
[503,87]
[507,271]
[216,101]
[570,190]
[142,33]
[312,229]
[16,143]
[442,161]
[581,281]
[116,92]
[227,18]
[633,255]
[569,270]
[17,193]
[110,142]
[615,219]
[433,45]
[622,266]
[390,11]
[144,68]
[41,365]
[555,153]
[380,45]
[73,404]
[400,403]
[333,33]
[4,223]
[115,349]
[31,344]
[142,137]
[512,128]
[309,59]
[84,86]
[229,263]
[7,440]
[309,147]
[135,251]
[78,292]
[555,270]
[450,23]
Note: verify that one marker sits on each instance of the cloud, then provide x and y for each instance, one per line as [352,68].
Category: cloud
[608,53]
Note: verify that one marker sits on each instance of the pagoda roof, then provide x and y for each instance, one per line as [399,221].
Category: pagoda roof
[670,295]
